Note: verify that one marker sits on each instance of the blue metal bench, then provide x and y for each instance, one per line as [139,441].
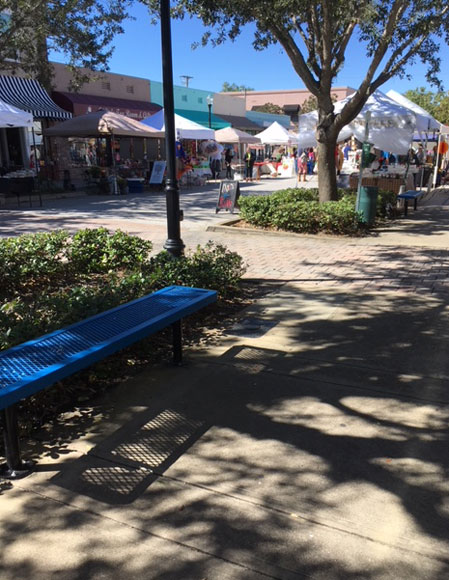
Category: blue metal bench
[37,364]
[408,196]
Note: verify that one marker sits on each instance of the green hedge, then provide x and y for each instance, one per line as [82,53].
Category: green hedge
[52,280]
[298,210]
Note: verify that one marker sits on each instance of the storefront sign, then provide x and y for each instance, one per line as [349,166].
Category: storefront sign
[228,195]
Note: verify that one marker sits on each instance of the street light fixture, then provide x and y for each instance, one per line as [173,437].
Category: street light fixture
[210,102]
[174,244]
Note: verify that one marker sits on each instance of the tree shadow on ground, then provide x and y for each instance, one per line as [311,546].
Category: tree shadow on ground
[325,457]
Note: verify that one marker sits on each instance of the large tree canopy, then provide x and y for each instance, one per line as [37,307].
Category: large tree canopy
[392,36]
[437,104]
[80,29]
[232,87]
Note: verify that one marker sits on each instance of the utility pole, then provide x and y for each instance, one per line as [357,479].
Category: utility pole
[186,80]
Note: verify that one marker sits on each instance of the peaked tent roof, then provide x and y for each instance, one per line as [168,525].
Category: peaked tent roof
[231,135]
[390,125]
[185,128]
[275,134]
[424,120]
[12,117]
[29,95]
[102,124]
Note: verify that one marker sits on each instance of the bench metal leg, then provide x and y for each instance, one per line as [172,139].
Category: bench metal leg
[405,206]
[14,468]
[415,204]
[177,342]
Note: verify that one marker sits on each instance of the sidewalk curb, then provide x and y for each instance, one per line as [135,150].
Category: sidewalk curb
[227,227]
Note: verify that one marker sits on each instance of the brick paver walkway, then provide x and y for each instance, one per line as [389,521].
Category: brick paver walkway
[315,260]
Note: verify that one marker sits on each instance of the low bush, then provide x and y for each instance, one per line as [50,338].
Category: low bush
[210,267]
[298,210]
[53,280]
[27,258]
[96,250]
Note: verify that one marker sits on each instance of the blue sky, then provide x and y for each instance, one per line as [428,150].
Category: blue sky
[137,53]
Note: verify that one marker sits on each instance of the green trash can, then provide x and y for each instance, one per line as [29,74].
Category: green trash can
[368,203]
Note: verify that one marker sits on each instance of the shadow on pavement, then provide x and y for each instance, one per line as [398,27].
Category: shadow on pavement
[326,459]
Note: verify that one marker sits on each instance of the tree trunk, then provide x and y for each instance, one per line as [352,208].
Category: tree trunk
[327,175]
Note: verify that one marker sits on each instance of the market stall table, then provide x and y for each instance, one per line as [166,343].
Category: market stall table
[265,168]
[387,182]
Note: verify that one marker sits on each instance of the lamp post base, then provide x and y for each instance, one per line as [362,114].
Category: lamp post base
[175,247]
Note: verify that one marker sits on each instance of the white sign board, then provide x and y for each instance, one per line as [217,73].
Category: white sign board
[157,173]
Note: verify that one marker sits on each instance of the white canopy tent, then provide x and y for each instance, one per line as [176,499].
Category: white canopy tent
[12,117]
[425,123]
[232,136]
[424,120]
[390,124]
[275,134]
[185,128]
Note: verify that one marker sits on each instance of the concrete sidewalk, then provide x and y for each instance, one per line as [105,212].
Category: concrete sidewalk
[309,441]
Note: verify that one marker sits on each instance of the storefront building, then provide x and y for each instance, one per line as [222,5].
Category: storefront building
[28,95]
[122,94]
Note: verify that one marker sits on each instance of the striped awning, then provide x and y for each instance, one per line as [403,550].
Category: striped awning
[29,95]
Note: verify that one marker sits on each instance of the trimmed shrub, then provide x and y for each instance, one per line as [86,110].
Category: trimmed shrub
[55,280]
[96,250]
[212,267]
[27,258]
[298,210]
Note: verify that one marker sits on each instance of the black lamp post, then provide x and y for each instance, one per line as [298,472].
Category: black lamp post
[210,102]
[174,244]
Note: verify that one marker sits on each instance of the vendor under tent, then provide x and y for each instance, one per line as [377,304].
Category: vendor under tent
[19,180]
[185,128]
[12,118]
[104,125]
[231,136]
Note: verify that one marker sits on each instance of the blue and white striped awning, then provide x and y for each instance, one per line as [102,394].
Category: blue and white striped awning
[29,95]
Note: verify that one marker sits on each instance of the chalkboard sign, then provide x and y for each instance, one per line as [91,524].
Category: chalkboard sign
[228,195]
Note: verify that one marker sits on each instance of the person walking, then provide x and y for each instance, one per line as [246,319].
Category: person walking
[228,160]
[249,159]
[215,163]
[302,166]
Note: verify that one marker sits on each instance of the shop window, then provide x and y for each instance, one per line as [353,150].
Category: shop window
[184,98]
[130,89]
[106,85]
[200,99]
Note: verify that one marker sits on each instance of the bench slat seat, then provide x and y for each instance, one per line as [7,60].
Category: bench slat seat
[410,195]
[37,364]
[31,366]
